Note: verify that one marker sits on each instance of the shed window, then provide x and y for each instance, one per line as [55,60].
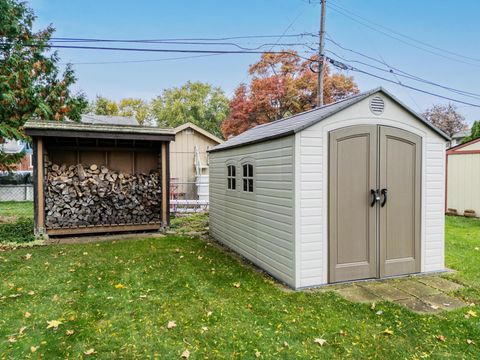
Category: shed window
[231,177]
[248,177]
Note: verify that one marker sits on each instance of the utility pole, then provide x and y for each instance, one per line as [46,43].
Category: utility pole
[321,55]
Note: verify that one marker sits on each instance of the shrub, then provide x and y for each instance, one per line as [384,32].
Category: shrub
[19,231]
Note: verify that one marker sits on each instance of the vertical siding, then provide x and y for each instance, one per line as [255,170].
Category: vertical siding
[182,168]
[258,225]
[312,188]
[463,182]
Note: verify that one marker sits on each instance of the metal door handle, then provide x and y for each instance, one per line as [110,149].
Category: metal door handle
[375,197]
[384,193]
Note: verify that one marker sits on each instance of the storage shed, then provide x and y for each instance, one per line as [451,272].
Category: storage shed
[351,190]
[99,178]
[463,179]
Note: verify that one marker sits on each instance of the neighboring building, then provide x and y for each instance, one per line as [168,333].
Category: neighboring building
[16,147]
[109,120]
[458,137]
[351,190]
[463,178]
[189,162]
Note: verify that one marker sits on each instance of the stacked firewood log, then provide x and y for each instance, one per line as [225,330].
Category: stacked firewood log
[89,196]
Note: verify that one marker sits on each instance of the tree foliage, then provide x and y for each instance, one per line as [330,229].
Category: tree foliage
[136,108]
[474,133]
[196,102]
[104,106]
[446,118]
[281,85]
[31,85]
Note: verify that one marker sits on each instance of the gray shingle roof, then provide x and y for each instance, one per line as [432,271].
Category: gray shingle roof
[108,120]
[296,123]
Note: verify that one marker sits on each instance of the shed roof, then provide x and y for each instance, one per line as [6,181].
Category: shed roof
[200,130]
[108,120]
[299,122]
[101,131]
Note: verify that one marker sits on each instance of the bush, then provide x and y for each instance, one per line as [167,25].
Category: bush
[19,231]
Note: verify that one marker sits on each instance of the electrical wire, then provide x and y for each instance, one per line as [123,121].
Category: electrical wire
[344,66]
[140,61]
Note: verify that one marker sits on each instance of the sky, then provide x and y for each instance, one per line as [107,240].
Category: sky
[436,40]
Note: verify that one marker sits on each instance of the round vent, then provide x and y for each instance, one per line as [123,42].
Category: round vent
[377,105]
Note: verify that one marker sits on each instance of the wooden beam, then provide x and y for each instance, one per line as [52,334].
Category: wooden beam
[99,135]
[40,187]
[103,229]
[165,187]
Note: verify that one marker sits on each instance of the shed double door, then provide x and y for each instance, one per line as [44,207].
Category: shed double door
[374,202]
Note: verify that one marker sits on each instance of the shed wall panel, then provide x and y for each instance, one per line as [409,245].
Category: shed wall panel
[258,225]
[463,190]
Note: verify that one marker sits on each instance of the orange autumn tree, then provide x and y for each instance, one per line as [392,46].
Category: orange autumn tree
[282,85]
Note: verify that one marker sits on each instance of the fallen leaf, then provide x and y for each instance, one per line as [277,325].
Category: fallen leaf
[33,348]
[472,313]
[470,342]
[477,248]
[53,324]
[434,307]
[119,286]
[209,313]
[27,314]
[22,329]
[55,298]
[285,344]
[258,354]
[204,328]
[31,292]
[69,332]
[85,253]
[28,256]
[373,306]
[90,351]
[200,257]
[237,284]
[441,338]
[379,312]
[320,342]
[186,354]
[12,339]
[388,331]
[171,324]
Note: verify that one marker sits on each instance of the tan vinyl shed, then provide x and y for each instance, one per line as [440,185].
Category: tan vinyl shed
[352,190]
[463,179]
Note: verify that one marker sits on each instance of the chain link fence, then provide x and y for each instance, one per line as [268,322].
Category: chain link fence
[185,197]
[16,196]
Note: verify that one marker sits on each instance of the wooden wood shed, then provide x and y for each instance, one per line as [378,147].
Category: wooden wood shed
[348,191]
[96,178]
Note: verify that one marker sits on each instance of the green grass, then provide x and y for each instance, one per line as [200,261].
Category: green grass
[16,209]
[191,281]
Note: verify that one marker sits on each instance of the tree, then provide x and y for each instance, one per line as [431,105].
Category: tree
[474,133]
[136,108]
[281,85]
[31,86]
[446,118]
[104,106]
[196,102]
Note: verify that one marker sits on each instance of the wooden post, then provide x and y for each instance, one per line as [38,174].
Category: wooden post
[39,193]
[165,185]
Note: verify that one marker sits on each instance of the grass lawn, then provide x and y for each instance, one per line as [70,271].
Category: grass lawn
[16,209]
[116,299]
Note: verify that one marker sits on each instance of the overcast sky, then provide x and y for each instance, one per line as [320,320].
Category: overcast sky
[442,43]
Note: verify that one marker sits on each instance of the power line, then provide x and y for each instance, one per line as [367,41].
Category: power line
[406,36]
[344,66]
[401,40]
[141,60]
[399,72]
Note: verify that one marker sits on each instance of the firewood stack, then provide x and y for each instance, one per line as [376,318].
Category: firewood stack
[78,196]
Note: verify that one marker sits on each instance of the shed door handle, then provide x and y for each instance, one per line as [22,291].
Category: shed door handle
[375,197]
[384,193]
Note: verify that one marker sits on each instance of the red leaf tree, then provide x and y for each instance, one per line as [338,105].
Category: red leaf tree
[282,85]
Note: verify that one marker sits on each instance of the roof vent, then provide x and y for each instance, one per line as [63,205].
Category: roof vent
[377,105]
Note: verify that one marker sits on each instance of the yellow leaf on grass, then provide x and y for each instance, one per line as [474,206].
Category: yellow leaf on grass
[90,351]
[472,313]
[186,354]
[119,286]
[470,342]
[33,348]
[171,324]
[388,331]
[27,314]
[31,292]
[70,332]
[53,324]
[320,341]
[237,284]
[258,354]
[28,256]
[441,338]
[22,329]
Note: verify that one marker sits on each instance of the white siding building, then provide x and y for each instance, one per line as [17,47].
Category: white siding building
[352,190]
